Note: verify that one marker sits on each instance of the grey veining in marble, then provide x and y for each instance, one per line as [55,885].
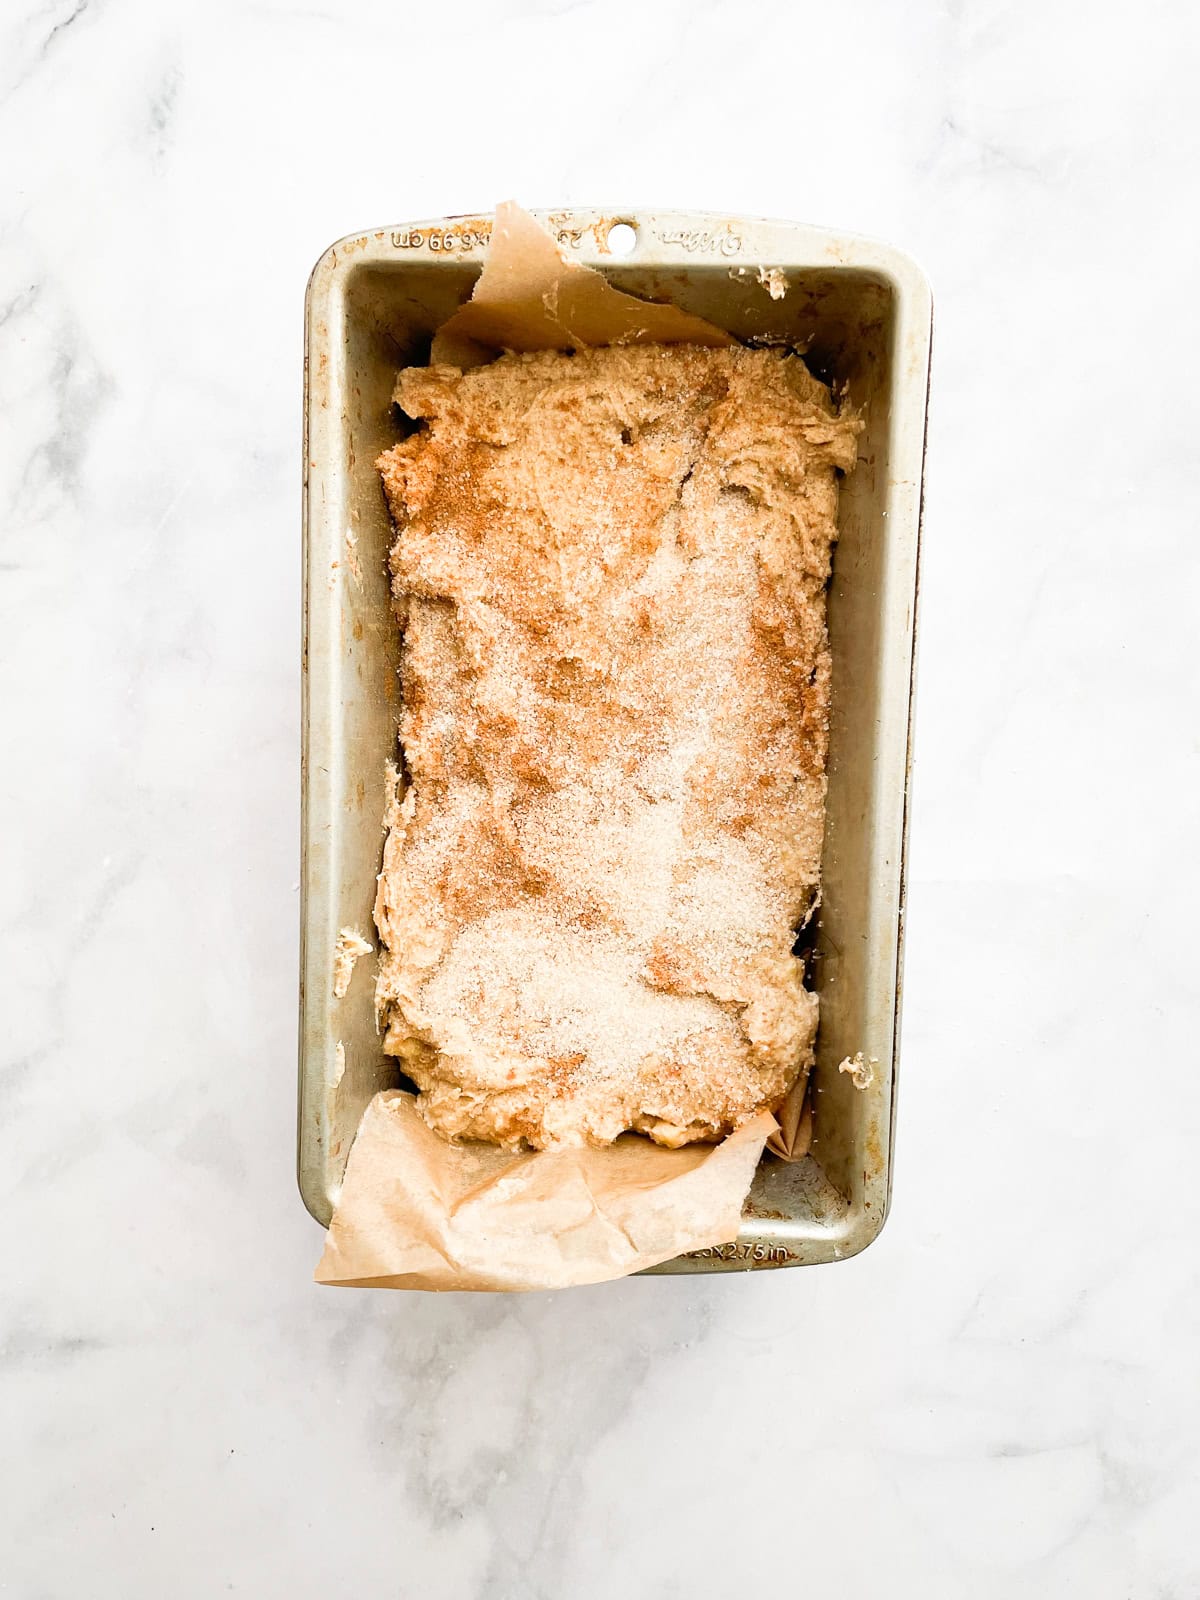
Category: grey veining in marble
[1000,1396]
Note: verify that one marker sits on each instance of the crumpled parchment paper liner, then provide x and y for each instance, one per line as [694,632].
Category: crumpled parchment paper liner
[792,1138]
[530,296]
[417,1212]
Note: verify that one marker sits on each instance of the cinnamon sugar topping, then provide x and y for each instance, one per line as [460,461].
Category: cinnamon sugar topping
[610,569]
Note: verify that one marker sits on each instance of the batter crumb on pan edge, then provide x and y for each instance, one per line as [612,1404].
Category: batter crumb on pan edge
[610,570]
[346,952]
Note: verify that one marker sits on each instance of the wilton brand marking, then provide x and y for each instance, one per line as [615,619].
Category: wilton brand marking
[696,239]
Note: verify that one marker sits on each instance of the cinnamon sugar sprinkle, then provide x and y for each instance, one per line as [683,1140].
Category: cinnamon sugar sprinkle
[610,570]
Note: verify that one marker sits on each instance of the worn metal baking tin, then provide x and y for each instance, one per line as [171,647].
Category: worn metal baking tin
[863,313]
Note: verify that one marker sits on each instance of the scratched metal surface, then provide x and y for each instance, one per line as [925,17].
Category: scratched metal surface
[862,311]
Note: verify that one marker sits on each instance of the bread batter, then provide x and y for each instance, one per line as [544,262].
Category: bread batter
[610,571]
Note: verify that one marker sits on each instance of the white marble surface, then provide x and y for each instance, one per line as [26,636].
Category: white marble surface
[1000,1396]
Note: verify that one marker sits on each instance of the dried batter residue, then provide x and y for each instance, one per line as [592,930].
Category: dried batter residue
[860,1068]
[352,556]
[350,945]
[774,280]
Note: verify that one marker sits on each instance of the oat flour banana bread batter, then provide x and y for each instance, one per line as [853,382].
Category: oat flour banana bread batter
[610,571]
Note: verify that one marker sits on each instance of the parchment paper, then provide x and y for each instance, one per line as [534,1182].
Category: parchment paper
[792,1138]
[417,1212]
[530,296]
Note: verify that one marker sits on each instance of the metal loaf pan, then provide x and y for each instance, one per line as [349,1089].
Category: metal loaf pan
[862,312]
